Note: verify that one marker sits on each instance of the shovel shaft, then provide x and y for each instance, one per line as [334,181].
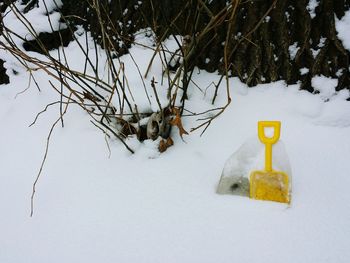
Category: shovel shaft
[269,141]
[268,157]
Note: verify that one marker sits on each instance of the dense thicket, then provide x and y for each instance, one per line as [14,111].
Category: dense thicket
[268,40]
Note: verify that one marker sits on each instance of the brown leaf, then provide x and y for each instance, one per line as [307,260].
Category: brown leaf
[162,146]
[165,144]
[169,142]
[177,122]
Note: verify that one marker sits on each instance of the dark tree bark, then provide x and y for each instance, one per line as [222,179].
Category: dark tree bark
[268,40]
[263,35]
[4,79]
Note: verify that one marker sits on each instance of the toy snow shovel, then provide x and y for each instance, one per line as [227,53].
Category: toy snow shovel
[269,184]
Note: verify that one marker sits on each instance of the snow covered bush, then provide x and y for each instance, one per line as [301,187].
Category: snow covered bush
[128,95]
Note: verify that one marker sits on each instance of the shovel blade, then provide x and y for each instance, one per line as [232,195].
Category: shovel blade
[271,186]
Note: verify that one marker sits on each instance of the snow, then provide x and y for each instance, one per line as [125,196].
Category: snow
[267,19]
[342,27]
[95,206]
[293,50]
[322,41]
[311,7]
[326,86]
[304,71]
[38,19]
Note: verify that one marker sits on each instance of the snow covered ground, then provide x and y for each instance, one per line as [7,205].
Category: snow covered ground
[92,206]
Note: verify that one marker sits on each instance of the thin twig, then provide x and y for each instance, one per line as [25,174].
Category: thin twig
[43,162]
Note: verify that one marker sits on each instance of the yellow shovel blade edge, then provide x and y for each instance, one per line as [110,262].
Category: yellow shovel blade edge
[272,186]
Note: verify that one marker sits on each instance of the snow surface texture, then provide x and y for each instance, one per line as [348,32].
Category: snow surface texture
[151,207]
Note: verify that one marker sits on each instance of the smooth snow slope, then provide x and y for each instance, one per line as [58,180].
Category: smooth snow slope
[151,207]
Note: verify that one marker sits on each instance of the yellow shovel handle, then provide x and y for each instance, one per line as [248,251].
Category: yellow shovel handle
[269,141]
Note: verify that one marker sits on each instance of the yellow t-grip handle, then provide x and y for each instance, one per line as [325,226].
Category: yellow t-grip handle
[269,141]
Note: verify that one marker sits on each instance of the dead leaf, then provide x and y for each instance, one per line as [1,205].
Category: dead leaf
[165,144]
[177,122]
[162,146]
[169,142]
